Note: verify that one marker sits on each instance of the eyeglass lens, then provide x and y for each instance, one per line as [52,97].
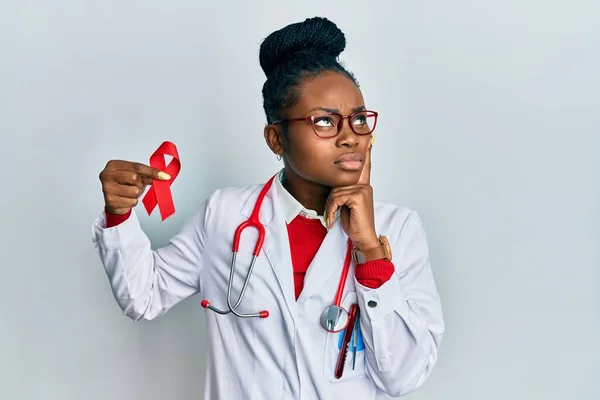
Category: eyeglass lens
[328,125]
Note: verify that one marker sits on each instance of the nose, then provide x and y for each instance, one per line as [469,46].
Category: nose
[346,137]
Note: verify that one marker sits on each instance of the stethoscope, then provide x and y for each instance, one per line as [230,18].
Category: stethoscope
[334,318]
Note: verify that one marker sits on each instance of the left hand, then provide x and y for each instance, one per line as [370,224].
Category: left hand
[357,213]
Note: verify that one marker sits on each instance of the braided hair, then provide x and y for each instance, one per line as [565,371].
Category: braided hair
[295,54]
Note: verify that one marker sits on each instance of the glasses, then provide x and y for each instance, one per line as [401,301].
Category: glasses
[329,125]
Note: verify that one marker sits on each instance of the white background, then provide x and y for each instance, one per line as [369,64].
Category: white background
[489,127]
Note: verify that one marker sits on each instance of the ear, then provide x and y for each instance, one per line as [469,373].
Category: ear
[273,139]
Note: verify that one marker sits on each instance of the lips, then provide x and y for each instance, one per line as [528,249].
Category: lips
[349,157]
[351,162]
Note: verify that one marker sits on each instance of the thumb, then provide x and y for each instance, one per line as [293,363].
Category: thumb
[146,171]
[154,174]
[163,176]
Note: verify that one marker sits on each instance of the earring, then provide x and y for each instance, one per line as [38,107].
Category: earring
[278,157]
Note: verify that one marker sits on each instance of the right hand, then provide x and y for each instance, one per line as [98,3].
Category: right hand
[123,182]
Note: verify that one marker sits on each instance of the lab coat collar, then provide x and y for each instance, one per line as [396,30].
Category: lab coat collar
[291,207]
[270,206]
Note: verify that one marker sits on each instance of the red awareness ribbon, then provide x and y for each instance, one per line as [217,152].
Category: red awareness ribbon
[159,193]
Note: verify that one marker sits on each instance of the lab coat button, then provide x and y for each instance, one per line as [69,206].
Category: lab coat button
[372,303]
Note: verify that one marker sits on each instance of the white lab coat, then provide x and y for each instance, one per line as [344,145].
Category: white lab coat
[287,355]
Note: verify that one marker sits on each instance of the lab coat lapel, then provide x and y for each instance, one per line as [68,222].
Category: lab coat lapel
[276,246]
[326,265]
[277,250]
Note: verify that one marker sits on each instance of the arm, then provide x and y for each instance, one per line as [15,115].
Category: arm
[145,282]
[401,320]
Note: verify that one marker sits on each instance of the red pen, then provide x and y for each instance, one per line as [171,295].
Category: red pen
[339,368]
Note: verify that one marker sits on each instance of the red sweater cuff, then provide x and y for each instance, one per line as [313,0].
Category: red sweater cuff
[115,219]
[373,274]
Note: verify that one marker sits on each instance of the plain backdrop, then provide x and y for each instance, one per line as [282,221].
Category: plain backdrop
[489,128]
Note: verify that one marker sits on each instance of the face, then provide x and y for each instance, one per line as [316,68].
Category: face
[332,162]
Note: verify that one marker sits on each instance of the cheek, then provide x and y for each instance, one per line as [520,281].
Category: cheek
[309,155]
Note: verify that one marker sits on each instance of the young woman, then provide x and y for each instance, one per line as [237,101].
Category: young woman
[284,340]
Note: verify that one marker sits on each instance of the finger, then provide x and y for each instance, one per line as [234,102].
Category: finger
[144,170]
[115,202]
[132,178]
[125,191]
[346,189]
[128,178]
[150,172]
[354,194]
[365,176]
[146,180]
[336,201]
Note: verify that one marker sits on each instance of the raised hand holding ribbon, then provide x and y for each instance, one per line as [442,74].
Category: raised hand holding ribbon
[159,193]
[123,182]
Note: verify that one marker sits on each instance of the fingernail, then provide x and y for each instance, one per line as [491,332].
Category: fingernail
[164,176]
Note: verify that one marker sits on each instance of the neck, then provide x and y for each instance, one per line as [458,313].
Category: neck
[310,194]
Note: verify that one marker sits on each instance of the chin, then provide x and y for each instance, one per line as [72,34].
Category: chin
[344,179]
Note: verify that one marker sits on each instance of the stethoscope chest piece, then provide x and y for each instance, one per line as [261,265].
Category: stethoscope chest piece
[334,318]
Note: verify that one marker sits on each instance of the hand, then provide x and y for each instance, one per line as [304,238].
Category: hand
[123,182]
[357,212]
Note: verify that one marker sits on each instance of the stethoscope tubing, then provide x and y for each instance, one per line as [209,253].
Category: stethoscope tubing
[254,222]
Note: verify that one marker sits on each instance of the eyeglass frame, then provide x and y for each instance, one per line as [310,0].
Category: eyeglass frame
[340,125]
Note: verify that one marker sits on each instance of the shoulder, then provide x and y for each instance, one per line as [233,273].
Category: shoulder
[398,223]
[232,198]
[228,201]
[396,214]
[233,195]
[222,207]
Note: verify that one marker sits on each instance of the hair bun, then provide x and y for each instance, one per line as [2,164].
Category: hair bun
[315,37]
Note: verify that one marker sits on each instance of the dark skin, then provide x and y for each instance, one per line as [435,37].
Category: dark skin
[313,174]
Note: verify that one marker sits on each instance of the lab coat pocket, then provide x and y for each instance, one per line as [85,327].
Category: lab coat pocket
[353,369]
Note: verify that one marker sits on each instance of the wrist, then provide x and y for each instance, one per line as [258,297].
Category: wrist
[120,211]
[367,244]
[369,252]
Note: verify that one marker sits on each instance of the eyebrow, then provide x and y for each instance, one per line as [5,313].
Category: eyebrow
[335,110]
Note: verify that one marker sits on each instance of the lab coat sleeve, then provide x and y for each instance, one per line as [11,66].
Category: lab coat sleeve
[401,321]
[146,282]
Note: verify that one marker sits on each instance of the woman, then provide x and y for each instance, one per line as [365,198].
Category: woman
[319,215]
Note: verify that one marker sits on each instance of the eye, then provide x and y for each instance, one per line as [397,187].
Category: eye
[360,119]
[324,122]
